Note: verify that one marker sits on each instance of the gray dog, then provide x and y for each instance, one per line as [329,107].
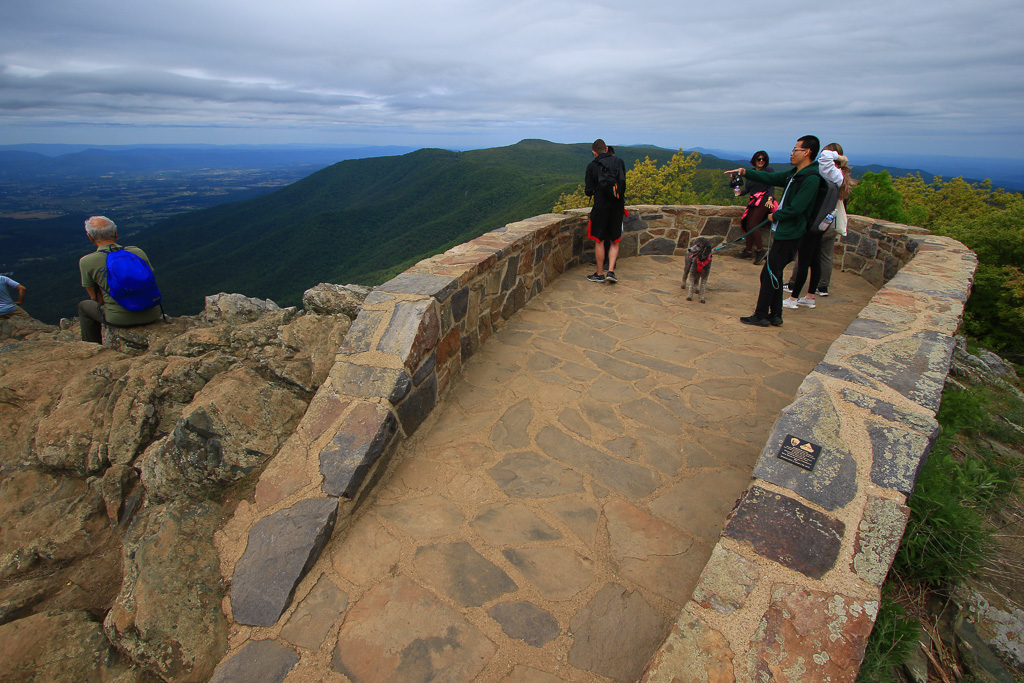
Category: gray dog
[698,267]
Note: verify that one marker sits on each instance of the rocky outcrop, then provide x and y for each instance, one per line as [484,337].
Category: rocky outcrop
[328,299]
[61,646]
[167,616]
[118,464]
[225,433]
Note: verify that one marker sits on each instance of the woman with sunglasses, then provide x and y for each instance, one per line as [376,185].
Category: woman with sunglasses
[762,198]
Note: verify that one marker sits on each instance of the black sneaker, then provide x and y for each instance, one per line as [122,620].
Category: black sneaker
[775,320]
[743,254]
[822,291]
[595,277]
[754,320]
[610,277]
[759,256]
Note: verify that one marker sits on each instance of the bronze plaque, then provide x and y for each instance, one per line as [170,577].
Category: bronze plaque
[799,452]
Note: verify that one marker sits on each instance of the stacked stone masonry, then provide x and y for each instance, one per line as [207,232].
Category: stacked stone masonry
[792,589]
[870,404]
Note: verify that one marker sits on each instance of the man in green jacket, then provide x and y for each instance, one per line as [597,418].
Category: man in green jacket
[789,224]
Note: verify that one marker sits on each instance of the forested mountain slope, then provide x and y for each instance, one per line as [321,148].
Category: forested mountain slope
[359,221]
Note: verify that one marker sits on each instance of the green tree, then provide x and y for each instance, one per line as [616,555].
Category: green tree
[649,183]
[988,221]
[670,183]
[571,200]
[995,311]
[876,196]
[940,202]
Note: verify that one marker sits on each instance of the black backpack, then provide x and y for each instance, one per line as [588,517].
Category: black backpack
[824,204]
[609,179]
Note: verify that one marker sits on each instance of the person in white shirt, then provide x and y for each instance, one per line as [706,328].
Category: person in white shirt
[12,294]
[834,166]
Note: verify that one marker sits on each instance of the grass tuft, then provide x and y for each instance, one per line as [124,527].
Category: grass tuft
[971,474]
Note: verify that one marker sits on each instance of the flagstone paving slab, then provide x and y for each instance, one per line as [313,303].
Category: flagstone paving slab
[557,573]
[525,621]
[553,512]
[463,574]
[401,632]
[511,524]
[615,632]
[370,552]
[528,475]
[312,619]
[424,518]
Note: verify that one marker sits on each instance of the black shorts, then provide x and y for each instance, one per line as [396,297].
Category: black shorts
[606,223]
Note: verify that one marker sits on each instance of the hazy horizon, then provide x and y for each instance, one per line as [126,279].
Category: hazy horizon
[1004,172]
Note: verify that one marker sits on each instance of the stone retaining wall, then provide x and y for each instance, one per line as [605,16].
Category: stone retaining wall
[792,588]
[415,332]
[873,249]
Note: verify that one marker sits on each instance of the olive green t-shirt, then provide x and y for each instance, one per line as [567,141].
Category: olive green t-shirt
[94,274]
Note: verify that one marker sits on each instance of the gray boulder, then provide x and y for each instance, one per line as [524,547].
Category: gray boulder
[328,299]
[231,427]
[235,307]
[997,364]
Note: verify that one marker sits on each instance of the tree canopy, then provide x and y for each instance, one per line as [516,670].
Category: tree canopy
[650,183]
[988,221]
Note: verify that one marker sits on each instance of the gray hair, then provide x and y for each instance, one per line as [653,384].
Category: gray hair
[101,228]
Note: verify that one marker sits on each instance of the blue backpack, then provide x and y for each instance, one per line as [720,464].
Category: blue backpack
[131,281]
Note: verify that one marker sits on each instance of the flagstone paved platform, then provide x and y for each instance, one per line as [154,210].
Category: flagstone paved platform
[553,514]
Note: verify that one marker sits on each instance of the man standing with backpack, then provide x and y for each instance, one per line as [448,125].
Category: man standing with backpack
[120,283]
[790,223]
[605,181]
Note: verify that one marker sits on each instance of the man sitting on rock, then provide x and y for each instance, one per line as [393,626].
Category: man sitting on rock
[12,294]
[101,307]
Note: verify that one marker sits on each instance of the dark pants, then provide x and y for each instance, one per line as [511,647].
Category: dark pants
[755,215]
[809,259]
[828,251]
[90,316]
[769,298]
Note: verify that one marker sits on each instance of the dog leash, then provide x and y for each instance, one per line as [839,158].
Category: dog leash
[775,280]
[743,236]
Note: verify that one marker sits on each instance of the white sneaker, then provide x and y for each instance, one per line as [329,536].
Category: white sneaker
[789,303]
[804,301]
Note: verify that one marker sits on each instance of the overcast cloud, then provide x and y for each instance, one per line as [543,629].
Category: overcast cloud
[885,76]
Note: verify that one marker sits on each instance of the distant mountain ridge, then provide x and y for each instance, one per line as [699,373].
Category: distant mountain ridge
[356,221]
[43,160]
[360,220]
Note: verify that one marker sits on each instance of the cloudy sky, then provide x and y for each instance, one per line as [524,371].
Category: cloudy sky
[883,76]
